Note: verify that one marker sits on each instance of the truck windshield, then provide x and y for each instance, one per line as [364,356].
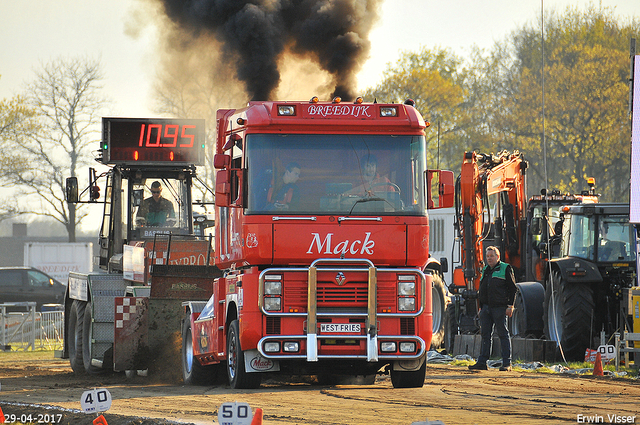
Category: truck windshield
[160,204]
[335,174]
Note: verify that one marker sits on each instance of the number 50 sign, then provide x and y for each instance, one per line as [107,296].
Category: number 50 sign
[235,414]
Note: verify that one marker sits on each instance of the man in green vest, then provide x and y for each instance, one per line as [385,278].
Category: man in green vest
[496,295]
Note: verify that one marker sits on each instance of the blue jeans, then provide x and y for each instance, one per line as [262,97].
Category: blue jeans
[490,316]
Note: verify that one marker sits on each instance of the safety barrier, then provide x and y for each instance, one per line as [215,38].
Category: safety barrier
[28,329]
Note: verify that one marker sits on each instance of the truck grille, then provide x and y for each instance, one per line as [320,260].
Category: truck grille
[273,325]
[331,295]
[407,326]
[352,295]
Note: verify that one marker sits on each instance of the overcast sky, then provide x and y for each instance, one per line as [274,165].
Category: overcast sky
[37,31]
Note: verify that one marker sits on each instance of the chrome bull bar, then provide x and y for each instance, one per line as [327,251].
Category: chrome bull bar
[371,335]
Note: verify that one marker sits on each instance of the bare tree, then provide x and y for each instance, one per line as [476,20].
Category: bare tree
[16,122]
[65,97]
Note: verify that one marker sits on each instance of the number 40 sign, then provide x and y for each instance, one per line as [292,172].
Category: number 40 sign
[96,400]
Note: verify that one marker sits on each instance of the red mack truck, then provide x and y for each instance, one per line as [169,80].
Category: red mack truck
[322,233]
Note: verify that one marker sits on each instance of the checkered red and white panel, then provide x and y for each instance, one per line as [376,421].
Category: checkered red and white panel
[125,308]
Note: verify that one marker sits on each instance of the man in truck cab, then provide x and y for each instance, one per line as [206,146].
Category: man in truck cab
[371,180]
[156,211]
[285,194]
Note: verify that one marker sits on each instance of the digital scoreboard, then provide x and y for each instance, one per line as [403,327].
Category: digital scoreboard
[152,141]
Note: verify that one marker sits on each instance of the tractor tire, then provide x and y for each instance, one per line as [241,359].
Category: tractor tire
[75,335]
[450,328]
[526,320]
[238,376]
[409,378]
[439,301]
[87,336]
[193,373]
[568,308]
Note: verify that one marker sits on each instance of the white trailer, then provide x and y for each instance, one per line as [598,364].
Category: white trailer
[57,259]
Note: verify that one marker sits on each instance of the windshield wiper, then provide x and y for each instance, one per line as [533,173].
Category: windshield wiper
[375,198]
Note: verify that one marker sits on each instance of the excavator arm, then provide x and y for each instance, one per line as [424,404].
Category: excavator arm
[485,219]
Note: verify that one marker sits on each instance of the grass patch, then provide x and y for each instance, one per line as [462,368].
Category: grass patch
[19,356]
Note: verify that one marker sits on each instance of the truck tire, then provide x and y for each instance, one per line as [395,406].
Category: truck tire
[409,378]
[74,334]
[87,337]
[193,373]
[439,301]
[238,376]
[568,309]
[526,320]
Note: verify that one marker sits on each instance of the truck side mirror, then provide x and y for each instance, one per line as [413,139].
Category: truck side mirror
[440,189]
[71,192]
[221,161]
[223,188]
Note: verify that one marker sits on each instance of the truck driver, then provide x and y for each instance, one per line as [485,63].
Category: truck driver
[156,211]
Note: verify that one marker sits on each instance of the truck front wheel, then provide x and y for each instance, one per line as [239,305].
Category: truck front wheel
[409,378]
[439,302]
[75,335]
[238,376]
[193,373]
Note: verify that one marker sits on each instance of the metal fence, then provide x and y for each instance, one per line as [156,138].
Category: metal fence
[28,329]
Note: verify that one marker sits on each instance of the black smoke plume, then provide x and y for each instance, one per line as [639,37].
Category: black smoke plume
[256,33]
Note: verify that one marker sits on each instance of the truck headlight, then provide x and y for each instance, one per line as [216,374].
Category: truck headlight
[407,347]
[406,304]
[388,346]
[291,347]
[271,347]
[272,303]
[388,111]
[406,288]
[273,288]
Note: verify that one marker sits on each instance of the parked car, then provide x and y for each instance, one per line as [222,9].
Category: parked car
[19,284]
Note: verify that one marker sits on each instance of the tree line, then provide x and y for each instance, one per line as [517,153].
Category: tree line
[566,111]
[562,100]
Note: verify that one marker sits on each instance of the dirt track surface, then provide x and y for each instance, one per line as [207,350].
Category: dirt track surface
[451,394]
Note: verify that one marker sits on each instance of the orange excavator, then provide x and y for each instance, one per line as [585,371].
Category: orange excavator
[492,209]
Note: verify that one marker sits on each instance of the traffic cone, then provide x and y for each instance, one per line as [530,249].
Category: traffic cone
[2,418]
[597,367]
[100,420]
[257,417]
